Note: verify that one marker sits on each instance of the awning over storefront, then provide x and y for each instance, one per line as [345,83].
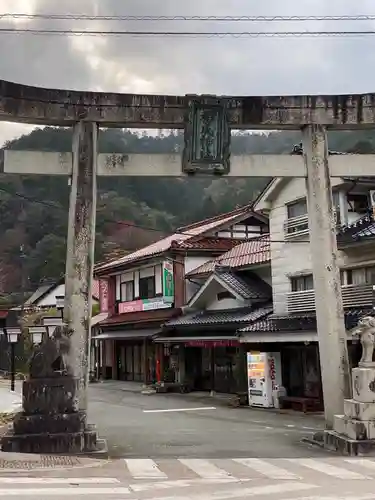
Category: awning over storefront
[206,341]
[98,318]
[274,337]
[127,334]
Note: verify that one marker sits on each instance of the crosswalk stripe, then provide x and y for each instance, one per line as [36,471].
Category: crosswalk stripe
[204,468]
[185,483]
[144,468]
[326,468]
[59,480]
[362,462]
[49,492]
[269,470]
[243,493]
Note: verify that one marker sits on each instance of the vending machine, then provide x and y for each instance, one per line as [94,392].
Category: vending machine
[264,378]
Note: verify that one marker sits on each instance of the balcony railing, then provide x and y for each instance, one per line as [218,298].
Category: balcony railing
[296,226]
[299,226]
[352,296]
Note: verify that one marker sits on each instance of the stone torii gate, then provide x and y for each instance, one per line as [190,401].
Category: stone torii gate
[207,121]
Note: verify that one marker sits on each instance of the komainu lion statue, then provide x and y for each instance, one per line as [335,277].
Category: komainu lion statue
[365,330]
[50,359]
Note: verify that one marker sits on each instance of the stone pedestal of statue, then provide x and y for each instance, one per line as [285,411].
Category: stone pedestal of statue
[354,432]
[51,421]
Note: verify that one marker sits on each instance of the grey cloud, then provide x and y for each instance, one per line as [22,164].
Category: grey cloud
[223,66]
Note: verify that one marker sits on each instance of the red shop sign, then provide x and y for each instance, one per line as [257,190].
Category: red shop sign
[212,343]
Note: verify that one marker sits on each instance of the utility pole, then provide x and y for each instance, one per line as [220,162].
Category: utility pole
[333,350]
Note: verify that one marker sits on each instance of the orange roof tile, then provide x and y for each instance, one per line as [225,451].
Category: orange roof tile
[182,235]
[251,252]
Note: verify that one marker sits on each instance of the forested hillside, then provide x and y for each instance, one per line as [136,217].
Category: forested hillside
[131,212]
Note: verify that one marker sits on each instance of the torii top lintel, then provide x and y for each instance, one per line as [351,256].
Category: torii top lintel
[36,105]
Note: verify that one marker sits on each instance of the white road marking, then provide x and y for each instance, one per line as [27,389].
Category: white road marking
[244,493]
[362,462]
[168,410]
[49,492]
[369,496]
[144,468]
[59,480]
[184,483]
[204,468]
[326,468]
[268,470]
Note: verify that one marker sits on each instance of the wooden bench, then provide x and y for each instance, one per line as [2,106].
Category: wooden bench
[303,404]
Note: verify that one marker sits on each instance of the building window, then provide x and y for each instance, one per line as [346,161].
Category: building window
[297,209]
[147,287]
[127,291]
[360,276]
[302,283]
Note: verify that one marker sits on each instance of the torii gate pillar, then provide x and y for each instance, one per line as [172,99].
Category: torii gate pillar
[54,418]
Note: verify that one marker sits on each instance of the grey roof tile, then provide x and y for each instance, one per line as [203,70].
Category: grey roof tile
[247,286]
[216,317]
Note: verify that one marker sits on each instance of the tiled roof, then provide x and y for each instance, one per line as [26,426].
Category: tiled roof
[298,322]
[252,252]
[248,287]
[157,315]
[217,317]
[362,228]
[206,243]
[182,235]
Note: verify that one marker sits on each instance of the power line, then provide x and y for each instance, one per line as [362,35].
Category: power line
[138,226]
[84,17]
[189,34]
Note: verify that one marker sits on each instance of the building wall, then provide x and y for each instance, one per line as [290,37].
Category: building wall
[191,263]
[293,258]
[50,299]
[288,258]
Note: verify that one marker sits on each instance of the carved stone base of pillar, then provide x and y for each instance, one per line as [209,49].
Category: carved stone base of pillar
[354,432]
[51,421]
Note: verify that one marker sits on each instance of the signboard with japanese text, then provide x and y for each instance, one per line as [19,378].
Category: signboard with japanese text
[142,305]
[103,296]
[168,282]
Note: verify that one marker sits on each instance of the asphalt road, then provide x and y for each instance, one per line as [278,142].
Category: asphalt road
[166,447]
[167,426]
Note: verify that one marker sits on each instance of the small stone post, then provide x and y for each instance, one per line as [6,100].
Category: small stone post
[327,284]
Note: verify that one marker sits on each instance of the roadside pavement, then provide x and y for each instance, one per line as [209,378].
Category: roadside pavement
[10,402]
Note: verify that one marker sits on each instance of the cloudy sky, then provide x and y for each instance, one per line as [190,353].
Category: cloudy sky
[179,66]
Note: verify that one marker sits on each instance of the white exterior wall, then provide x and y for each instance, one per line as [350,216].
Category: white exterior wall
[190,264]
[50,299]
[225,304]
[288,258]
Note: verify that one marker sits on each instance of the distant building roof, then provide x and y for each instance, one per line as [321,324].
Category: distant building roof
[252,252]
[180,237]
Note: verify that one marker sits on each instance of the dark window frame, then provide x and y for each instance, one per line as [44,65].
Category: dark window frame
[150,293]
[306,281]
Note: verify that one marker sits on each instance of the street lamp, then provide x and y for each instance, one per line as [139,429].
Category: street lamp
[12,336]
[37,333]
[51,323]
